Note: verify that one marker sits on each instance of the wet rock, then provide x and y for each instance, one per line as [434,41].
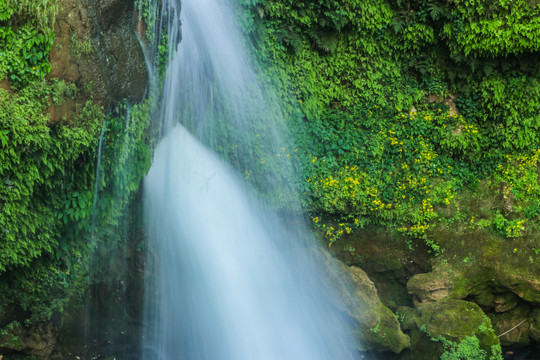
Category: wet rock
[534,324]
[96,48]
[376,324]
[512,327]
[119,50]
[38,340]
[379,326]
[447,321]
[108,11]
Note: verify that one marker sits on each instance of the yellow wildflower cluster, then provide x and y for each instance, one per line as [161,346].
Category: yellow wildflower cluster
[448,196]
[515,228]
[340,190]
[400,179]
[426,205]
[417,230]
[464,128]
[520,173]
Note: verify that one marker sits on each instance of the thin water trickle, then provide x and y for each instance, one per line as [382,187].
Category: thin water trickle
[97,178]
[231,278]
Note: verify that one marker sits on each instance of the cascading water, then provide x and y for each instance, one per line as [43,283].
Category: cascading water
[232,278]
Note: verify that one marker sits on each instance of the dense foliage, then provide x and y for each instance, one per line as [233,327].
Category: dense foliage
[51,202]
[26,37]
[65,185]
[404,109]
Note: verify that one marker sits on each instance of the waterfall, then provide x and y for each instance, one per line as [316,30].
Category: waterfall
[232,277]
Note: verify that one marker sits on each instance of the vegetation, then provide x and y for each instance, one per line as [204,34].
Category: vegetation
[26,37]
[51,202]
[402,112]
[468,348]
[64,184]
[402,109]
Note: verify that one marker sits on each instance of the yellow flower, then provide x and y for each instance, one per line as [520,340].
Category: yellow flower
[316,219]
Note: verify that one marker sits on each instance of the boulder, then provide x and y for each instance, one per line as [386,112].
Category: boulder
[448,326]
[376,324]
[38,340]
[512,327]
[430,287]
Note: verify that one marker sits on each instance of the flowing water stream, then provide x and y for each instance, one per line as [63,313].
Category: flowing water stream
[232,277]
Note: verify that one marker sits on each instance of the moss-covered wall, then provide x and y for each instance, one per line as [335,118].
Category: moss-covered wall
[71,159]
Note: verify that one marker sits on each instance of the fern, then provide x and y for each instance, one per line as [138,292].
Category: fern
[326,42]
[43,12]
[435,9]
[398,25]
[290,38]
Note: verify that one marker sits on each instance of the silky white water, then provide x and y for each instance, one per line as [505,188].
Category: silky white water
[231,278]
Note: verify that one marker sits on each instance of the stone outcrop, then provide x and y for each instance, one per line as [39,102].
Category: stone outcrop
[38,340]
[434,324]
[376,324]
[97,49]
[500,276]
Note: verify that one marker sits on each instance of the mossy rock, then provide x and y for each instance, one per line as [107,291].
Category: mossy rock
[441,327]
[376,324]
[534,325]
[37,341]
[477,263]
[386,258]
[379,327]
[513,326]
[485,281]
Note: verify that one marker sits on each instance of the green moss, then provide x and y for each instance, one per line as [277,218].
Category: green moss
[387,333]
[452,329]
[47,200]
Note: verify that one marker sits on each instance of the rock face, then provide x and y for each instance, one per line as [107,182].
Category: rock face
[38,340]
[96,48]
[119,51]
[97,51]
[493,274]
[376,324]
